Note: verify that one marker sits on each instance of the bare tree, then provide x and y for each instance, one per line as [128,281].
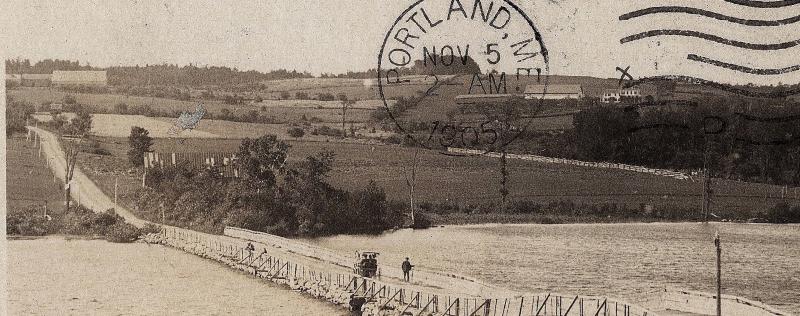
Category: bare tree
[411,182]
[78,128]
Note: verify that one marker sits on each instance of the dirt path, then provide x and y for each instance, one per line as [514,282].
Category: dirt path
[83,191]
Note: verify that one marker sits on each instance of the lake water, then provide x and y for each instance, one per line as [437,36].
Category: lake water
[54,276]
[760,261]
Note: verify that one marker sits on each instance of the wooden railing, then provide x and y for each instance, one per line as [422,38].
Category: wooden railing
[404,298]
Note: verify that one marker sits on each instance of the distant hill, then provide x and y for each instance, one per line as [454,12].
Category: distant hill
[436,107]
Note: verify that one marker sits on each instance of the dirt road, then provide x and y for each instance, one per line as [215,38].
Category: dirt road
[83,190]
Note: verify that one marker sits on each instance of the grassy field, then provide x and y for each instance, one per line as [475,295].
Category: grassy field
[117,125]
[29,182]
[475,180]
[354,89]
[442,107]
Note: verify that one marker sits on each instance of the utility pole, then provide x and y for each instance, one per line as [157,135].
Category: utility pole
[345,104]
[344,112]
[116,184]
[708,191]
[411,183]
[504,178]
[163,214]
[719,274]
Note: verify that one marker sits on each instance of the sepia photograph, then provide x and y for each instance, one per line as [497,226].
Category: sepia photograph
[401,157]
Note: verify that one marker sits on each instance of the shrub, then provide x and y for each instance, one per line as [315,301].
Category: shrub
[69,99]
[122,232]
[121,108]
[93,147]
[326,97]
[301,96]
[296,132]
[393,139]
[285,95]
[28,223]
[150,228]
[233,99]
[783,213]
[327,131]
[17,113]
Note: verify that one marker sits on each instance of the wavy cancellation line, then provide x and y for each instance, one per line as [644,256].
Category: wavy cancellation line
[709,14]
[709,37]
[764,4]
[725,87]
[744,69]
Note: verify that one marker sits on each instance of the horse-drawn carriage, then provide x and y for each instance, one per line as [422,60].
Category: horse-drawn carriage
[367,264]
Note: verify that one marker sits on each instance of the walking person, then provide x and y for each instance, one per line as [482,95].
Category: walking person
[355,304]
[406,266]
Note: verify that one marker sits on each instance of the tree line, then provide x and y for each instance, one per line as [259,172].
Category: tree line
[735,138]
[45,66]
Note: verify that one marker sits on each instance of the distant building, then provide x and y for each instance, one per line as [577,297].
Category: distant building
[14,78]
[29,80]
[619,95]
[79,78]
[36,80]
[199,161]
[554,91]
[610,96]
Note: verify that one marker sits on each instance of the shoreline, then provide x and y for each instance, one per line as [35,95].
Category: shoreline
[463,219]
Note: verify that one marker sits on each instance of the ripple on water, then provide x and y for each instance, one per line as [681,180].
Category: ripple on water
[760,261]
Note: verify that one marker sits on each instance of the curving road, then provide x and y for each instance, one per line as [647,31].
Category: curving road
[84,191]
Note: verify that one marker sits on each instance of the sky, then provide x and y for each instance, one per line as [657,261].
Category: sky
[334,36]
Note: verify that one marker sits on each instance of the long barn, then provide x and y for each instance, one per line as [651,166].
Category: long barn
[224,161]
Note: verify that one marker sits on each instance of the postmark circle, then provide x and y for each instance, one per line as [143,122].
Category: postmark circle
[462,76]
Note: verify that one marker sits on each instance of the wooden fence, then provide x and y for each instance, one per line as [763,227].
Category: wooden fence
[404,299]
[605,165]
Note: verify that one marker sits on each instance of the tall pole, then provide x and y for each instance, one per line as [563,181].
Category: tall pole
[412,182]
[116,184]
[707,190]
[719,274]
[344,111]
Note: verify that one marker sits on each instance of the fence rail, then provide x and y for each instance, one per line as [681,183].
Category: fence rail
[605,165]
[388,296]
